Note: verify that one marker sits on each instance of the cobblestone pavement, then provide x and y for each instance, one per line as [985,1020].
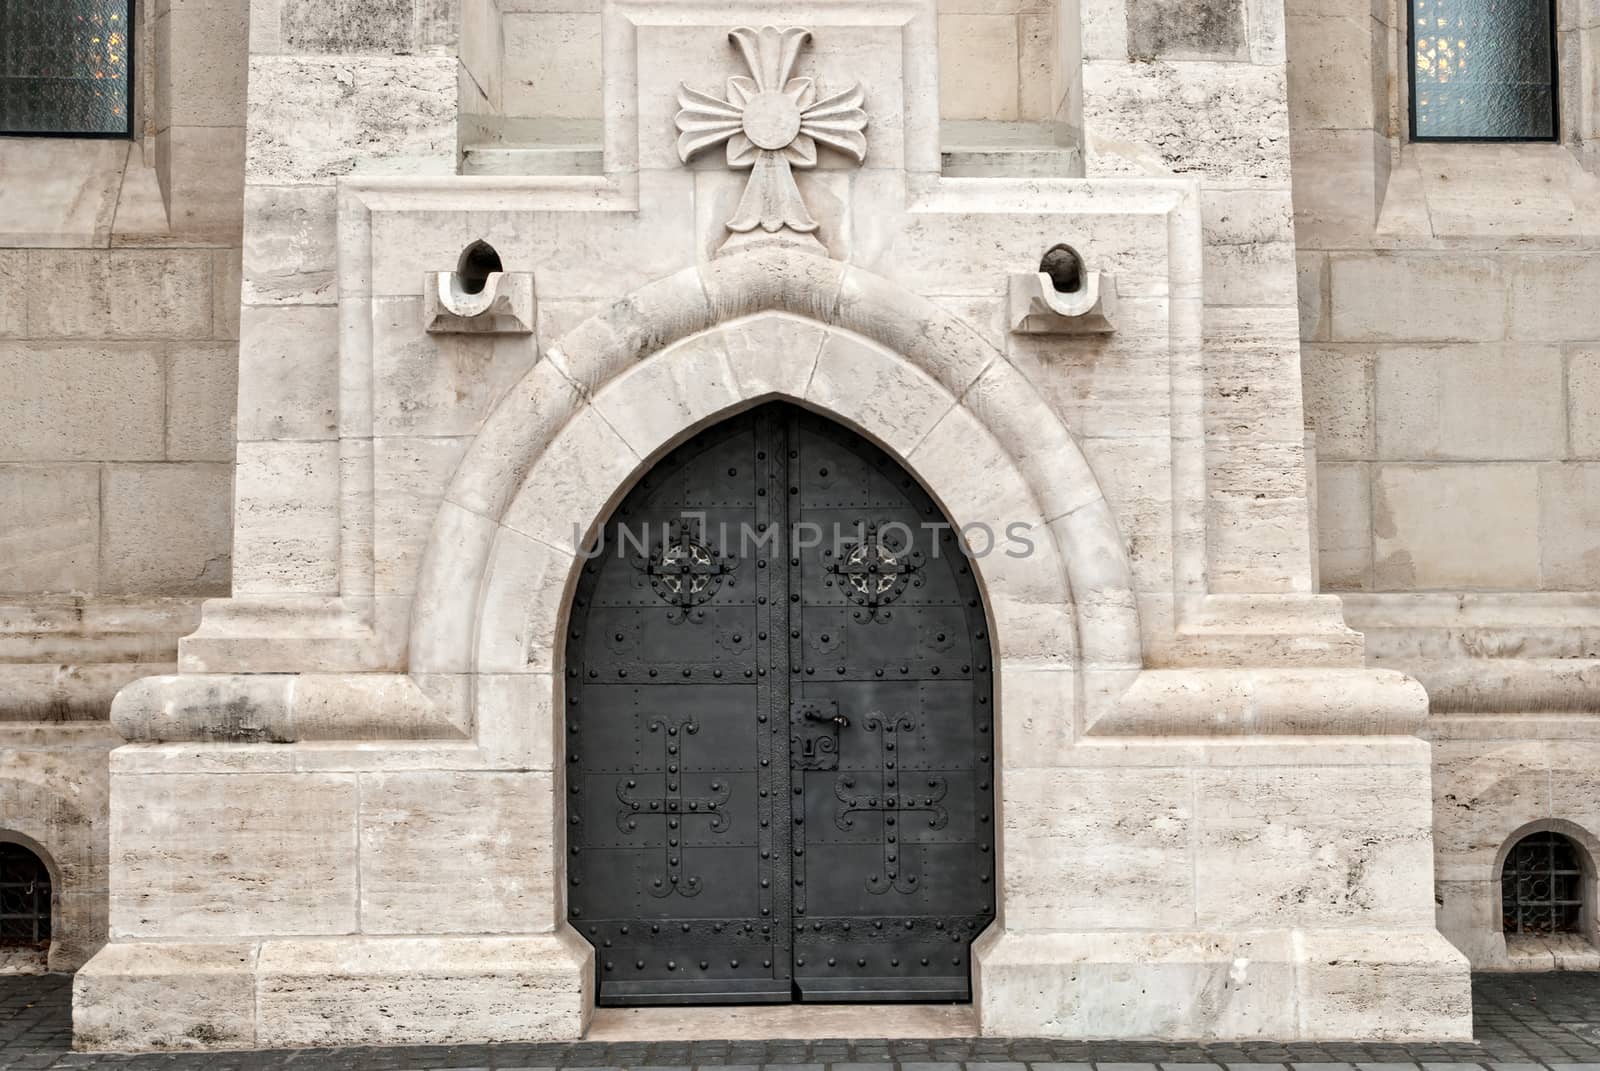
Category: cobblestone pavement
[1522,1022]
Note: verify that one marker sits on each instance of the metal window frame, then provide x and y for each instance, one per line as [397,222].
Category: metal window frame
[1510,874]
[131,81]
[43,920]
[1411,90]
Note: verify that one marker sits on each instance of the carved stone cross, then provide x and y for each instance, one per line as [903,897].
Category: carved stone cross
[771,123]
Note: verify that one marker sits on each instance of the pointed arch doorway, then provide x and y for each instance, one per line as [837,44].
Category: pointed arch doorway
[779,729]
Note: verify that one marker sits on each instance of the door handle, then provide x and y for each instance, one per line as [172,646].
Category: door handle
[816,714]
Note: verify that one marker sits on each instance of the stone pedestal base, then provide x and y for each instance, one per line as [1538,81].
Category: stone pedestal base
[1303,985]
[333,991]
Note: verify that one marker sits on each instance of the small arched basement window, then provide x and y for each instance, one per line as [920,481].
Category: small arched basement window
[1541,886]
[24,898]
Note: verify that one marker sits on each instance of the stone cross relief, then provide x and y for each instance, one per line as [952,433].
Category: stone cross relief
[772,123]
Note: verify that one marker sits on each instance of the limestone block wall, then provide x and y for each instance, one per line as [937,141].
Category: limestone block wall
[1449,359]
[119,276]
[379,691]
[1198,90]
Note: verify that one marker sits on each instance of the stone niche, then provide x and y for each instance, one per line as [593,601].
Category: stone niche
[341,820]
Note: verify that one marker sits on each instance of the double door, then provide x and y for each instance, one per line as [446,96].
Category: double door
[779,729]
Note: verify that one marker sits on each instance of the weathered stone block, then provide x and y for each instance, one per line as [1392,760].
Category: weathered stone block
[289,372]
[166,996]
[13,293]
[552,65]
[1455,526]
[1038,56]
[1330,71]
[1418,297]
[62,193]
[1486,403]
[1314,831]
[204,181]
[1338,179]
[1182,29]
[1583,402]
[1344,526]
[437,384]
[202,397]
[82,401]
[365,991]
[166,528]
[1337,381]
[204,70]
[347,26]
[1249,248]
[1569,526]
[286,526]
[290,245]
[1220,121]
[1311,279]
[226,271]
[49,528]
[1103,847]
[409,476]
[1552,296]
[1483,793]
[1380,983]
[199,856]
[1181,984]
[457,853]
[313,119]
[120,293]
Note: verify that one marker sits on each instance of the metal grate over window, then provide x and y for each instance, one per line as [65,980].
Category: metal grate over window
[1541,887]
[66,68]
[24,898]
[1483,70]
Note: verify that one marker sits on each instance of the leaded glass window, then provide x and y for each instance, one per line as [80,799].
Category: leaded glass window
[66,67]
[1483,70]
[1541,886]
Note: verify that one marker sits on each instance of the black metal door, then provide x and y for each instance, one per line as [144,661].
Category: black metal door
[779,729]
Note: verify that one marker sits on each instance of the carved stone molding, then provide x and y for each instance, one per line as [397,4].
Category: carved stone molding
[771,123]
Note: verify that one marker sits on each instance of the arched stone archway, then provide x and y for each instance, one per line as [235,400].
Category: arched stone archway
[621,388]
[619,391]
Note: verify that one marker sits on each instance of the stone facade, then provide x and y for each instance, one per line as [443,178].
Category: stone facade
[1447,353]
[1271,705]
[119,320]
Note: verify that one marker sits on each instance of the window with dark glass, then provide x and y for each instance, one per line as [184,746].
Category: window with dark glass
[1541,886]
[66,68]
[24,898]
[1483,70]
